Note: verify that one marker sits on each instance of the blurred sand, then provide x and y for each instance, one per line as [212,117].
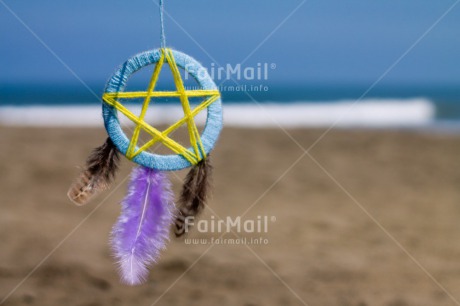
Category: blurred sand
[323,246]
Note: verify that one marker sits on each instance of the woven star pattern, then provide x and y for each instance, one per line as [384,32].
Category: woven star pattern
[197,151]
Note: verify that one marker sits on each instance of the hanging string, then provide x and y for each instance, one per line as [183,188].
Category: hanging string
[162,35]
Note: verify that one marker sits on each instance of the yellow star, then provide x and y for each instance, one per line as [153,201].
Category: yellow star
[157,136]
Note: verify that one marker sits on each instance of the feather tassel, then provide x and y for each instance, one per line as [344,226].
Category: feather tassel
[194,194]
[142,230]
[100,170]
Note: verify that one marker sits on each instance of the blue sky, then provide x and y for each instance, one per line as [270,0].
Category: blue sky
[316,41]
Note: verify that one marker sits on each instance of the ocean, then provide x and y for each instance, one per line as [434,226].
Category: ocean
[253,105]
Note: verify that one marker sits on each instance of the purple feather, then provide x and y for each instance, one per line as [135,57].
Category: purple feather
[142,229]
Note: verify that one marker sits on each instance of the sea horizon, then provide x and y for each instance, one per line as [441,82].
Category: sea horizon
[254,105]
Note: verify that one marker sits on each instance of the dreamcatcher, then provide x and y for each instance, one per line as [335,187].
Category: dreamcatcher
[148,210]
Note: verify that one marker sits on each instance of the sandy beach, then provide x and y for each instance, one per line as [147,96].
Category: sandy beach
[364,218]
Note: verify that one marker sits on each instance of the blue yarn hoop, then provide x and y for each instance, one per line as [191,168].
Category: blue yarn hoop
[117,83]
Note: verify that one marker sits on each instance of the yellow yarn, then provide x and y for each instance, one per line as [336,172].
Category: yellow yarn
[195,139]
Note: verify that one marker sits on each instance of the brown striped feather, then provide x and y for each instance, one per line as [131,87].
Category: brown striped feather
[98,174]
